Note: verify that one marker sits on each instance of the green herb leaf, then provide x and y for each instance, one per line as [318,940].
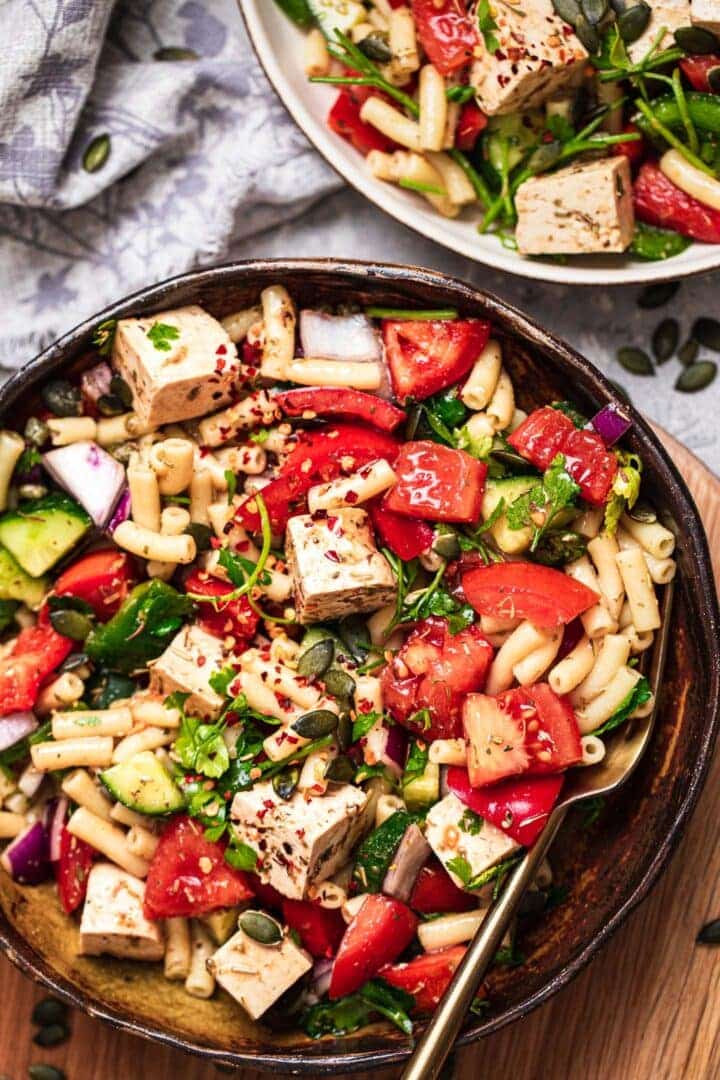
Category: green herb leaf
[200,747]
[161,334]
[416,762]
[625,489]
[220,680]
[471,822]
[362,724]
[104,336]
[241,856]
[539,506]
[639,695]
[231,481]
[487,26]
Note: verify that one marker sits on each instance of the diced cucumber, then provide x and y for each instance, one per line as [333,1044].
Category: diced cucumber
[424,790]
[15,584]
[332,15]
[377,850]
[221,924]
[142,784]
[41,531]
[510,541]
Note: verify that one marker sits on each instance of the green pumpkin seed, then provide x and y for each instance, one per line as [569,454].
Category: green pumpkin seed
[339,684]
[641,511]
[110,405]
[594,10]
[49,1010]
[62,398]
[96,154]
[654,296]
[316,724]
[120,389]
[343,735]
[340,770]
[618,6]
[633,22]
[635,361]
[569,10]
[175,52]
[696,40]
[688,353]
[707,332]
[32,491]
[710,933]
[260,927]
[71,624]
[45,1072]
[546,155]
[285,782]
[201,534]
[36,431]
[315,661]
[713,78]
[447,545]
[696,377]
[51,1035]
[376,48]
[665,339]
[355,635]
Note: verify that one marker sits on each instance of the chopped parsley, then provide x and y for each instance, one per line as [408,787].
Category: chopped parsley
[161,334]
[539,507]
[471,822]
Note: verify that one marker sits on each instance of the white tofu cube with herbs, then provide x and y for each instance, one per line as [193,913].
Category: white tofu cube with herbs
[706,13]
[537,54]
[113,922]
[667,15]
[178,364]
[582,209]
[299,841]
[257,975]
[456,833]
[190,659]
[335,565]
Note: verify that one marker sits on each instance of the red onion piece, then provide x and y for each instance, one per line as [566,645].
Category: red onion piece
[90,475]
[121,512]
[27,857]
[95,382]
[611,424]
[15,726]
[322,970]
[54,819]
[386,746]
[411,855]
[351,338]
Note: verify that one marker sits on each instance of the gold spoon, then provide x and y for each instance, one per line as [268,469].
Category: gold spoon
[623,754]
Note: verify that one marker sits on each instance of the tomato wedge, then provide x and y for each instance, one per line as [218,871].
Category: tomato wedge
[320,929]
[406,537]
[189,876]
[329,401]
[427,356]
[35,655]
[102,579]
[435,890]
[437,483]
[72,869]
[382,928]
[659,202]
[541,436]
[471,122]
[426,977]
[235,618]
[344,119]
[448,34]
[522,590]
[520,807]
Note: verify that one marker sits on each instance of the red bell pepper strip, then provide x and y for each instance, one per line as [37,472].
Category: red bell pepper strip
[236,618]
[471,122]
[659,202]
[344,119]
[382,928]
[435,890]
[35,655]
[72,869]
[447,33]
[521,590]
[406,537]
[102,579]
[520,807]
[320,929]
[312,402]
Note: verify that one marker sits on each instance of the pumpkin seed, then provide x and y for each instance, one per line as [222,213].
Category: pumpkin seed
[594,10]
[32,491]
[707,332]
[51,1035]
[546,155]
[96,154]
[507,457]
[315,724]
[376,48]
[618,6]
[201,534]
[110,405]
[343,735]
[696,377]
[340,770]
[641,511]
[62,398]
[569,10]
[710,933]
[49,1010]
[633,22]
[45,1072]
[315,661]
[355,635]
[71,624]
[654,296]
[713,78]
[285,782]
[260,927]
[665,339]
[120,389]
[175,52]
[447,545]
[687,354]
[339,684]
[36,431]
[696,40]
[635,361]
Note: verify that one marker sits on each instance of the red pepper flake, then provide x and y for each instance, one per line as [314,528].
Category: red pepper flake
[201,661]
[221,350]
[332,556]
[351,497]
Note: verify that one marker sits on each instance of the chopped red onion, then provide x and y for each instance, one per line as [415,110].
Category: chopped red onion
[386,746]
[322,970]
[90,475]
[351,338]
[30,781]
[611,424]
[54,819]
[121,512]
[27,857]
[15,726]
[95,382]
[412,853]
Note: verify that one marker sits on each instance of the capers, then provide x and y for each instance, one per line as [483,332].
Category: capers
[62,398]
[696,40]
[355,635]
[285,782]
[339,684]
[316,724]
[687,355]
[633,22]
[376,48]
[340,770]
[110,405]
[120,389]
[36,431]
[201,534]
[343,735]
[665,340]
[635,360]
[260,927]
[51,1035]
[315,661]
[49,1010]
[71,624]
[642,511]
[696,377]
[654,296]
[707,332]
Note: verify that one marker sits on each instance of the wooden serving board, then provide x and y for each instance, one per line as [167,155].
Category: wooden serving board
[647,1008]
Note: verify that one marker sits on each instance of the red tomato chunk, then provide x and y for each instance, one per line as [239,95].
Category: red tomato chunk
[448,35]
[659,202]
[427,356]
[426,977]
[437,483]
[380,931]
[520,807]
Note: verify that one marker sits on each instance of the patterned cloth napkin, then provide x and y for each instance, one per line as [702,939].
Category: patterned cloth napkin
[121,163]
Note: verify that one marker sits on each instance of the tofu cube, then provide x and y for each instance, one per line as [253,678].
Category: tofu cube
[299,841]
[335,566]
[538,55]
[187,664]
[586,207]
[451,834]
[257,975]
[670,14]
[113,921]
[706,13]
[178,364]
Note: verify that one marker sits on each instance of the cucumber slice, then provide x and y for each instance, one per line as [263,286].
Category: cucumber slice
[332,15]
[424,790]
[142,784]
[41,531]
[511,541]
[221,924]
[15,584]
[377,850]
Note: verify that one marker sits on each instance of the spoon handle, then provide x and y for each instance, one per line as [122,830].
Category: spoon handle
[440,1034]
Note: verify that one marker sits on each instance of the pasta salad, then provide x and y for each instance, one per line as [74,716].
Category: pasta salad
[565,127]
[304,620]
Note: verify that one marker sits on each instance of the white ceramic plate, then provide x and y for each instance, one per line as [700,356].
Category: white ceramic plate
[278,45]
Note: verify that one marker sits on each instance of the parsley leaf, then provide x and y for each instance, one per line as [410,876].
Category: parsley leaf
[416,762]
[471,822]
[161,334]
[462,869]
[625,489]
[362,724]
[541,504]
[639,695]
[241,856]
[220,680]
[200,747]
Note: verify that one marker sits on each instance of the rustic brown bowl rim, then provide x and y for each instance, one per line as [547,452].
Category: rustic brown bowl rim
[701,589]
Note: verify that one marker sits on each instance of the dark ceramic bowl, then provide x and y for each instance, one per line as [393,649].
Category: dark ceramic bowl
[606,870]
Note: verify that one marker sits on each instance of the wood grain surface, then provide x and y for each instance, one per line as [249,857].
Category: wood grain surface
[647,1008]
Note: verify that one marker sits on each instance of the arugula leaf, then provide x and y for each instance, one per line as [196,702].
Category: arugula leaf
[416,762]
[639,695]
[231,481]
[362,724]
[161,334]
[541,504]
[625,490]
[354,1011]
